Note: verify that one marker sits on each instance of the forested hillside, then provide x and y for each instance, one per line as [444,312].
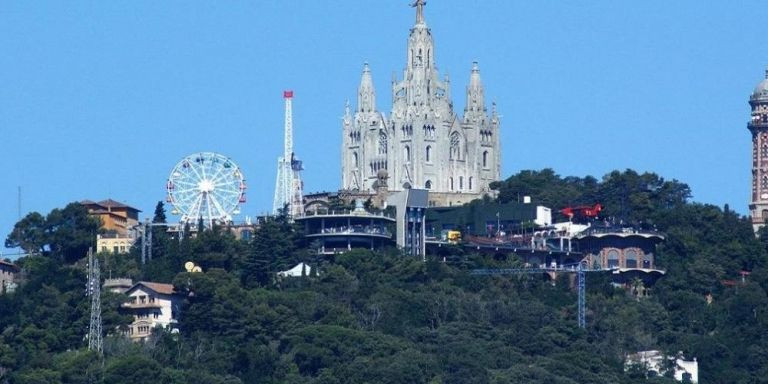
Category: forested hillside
[382,317]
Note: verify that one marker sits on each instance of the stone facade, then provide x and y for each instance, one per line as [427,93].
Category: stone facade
[758,126]
[8,276]
[423,143]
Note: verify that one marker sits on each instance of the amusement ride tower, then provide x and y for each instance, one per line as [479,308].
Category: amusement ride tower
[289,187]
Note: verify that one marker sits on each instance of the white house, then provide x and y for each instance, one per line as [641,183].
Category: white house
[152,305]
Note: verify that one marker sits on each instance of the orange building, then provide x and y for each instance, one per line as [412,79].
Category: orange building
[119,222]
[115,217]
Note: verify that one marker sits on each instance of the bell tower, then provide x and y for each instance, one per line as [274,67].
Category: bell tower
[758,126]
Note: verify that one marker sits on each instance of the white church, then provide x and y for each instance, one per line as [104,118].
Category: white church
[423,143]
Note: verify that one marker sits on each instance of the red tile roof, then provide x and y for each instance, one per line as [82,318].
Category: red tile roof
[12,265]
[109,203]
[166,289]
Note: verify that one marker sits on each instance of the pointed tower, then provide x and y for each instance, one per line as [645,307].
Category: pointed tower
[475,105]
[363,151]
[758,126]
[366,94]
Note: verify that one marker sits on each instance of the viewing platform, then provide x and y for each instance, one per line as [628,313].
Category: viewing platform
[340,231]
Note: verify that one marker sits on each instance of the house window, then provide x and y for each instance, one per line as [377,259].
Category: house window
[428,184]
[630,257]
[450,182]
[355,161]
[485,159]
[470,183]
[429,153]
[407,154]
[613,258]
[461,182]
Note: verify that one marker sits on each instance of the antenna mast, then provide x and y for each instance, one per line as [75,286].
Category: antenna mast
[93,289]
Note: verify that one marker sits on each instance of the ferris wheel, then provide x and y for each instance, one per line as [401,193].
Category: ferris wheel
[206,186]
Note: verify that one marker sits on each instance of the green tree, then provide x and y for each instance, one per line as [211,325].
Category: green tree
[29,234]
[133,369]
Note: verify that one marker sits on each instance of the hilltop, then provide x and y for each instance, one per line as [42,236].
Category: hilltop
[382,317]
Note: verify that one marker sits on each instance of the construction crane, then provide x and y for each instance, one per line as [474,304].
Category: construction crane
[579,269]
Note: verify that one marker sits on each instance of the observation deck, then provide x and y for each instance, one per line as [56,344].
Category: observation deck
[340,231]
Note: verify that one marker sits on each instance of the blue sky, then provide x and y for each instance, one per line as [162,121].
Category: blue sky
[101,99]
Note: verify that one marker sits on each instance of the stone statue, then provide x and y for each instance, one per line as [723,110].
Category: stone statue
[419,5]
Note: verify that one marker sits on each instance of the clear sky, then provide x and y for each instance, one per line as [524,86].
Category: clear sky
[100,99]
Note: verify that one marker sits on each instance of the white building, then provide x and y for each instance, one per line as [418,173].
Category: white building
[152,305]
[654,360]
[423,143]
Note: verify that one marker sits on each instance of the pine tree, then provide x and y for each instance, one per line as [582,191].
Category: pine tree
[159,233]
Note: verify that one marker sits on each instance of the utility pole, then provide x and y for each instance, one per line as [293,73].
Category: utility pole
[582,304]
[93,289]
[146,237]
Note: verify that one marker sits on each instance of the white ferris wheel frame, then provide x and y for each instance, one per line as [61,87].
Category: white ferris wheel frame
[206,186]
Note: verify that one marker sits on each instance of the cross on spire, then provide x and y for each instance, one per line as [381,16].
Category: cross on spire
[419,5]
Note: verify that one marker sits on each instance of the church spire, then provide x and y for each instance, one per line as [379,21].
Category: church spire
[366,95]
[475,91]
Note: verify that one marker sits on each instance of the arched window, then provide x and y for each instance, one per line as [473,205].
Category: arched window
[470,183]
[450,183]
[461,182]
[630,258]
[428,153]
[382,143]
[407,154]
[455,149]
[485,159]
[428,184]
[613,258]
[355,159]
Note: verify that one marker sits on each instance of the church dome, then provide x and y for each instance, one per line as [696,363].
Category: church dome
[761,90]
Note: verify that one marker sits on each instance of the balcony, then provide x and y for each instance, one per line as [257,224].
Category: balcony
[142,305]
